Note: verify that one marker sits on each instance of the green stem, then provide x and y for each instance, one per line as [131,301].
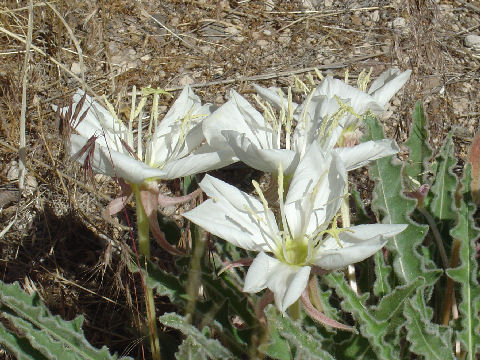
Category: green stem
[345,211]
[144,248]
[194,280]
[436,235]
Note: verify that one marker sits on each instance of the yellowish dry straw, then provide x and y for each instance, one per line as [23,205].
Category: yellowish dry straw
[22,148]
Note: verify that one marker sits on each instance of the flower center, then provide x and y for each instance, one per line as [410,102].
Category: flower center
[295,251]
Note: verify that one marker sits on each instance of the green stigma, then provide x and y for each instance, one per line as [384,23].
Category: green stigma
[295,251]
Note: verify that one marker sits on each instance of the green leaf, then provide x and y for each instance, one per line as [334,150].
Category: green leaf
[277,347]
[427,339]
[392,304]
[307,346]
[355,348]
[211,347]
[420,151]
[50,335]
[466,273]
[381,285]
[370,327]
[445,183]
[189,349]
[390,205]
[19,346]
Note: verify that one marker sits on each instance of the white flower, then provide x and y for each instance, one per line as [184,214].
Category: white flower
[299,238]
[175,149]
[264,141]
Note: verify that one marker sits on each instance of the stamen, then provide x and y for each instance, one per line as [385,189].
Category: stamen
[319,74]
[300,85]
[334,232]
[288,125]
[260,220]
[286,230]
[128,136]
[310,79]
[267,218]
[364,79]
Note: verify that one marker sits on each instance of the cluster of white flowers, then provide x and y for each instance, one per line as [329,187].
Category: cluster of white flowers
[301,145]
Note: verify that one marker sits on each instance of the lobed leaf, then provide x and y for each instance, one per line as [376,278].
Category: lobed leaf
[52,336]
[390,205]
[371,328]
[420,152]
[190,350]
[427,339]
[466,273]
[18,345]
[305,344]
[210,347]
[381,286]
[445,183]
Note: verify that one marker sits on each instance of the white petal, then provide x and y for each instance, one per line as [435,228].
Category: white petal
[272,96]
[266,160]
[237,114]
[165,142]
[360,155]
[338,258]
[299,202]
[261,269]
[234,216]
[113,163]
[367,232]
[195,163]
[305,209]
[387,85]
[287,282]
[359,242]
[358,100]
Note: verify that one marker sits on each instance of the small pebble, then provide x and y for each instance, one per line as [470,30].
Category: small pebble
[399,23]
[262,43]
[472,41]
[76,68]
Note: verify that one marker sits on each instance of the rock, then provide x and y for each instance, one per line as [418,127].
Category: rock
[239,39]
[399,23]
[269,5]
[262,43]
[308,5]
[472,41]
[256,35]
[186,80]
[76,68]
[356,20]
[267,32]
[375,16]
[284,39]
[232,30]
[146,58]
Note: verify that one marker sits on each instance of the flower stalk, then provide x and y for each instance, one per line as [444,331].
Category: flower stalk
[143,235]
